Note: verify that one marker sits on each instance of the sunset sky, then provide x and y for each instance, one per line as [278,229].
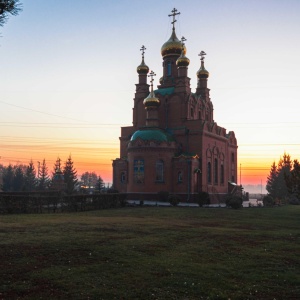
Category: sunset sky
[68,75]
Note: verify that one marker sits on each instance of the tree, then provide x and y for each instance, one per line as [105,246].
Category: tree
[8,177]
[30,179]
[43,178]
[89,179]
[293,180]
[70,175]
[276,183]
[12,7]
[272,180]
[19,179]
[99,184]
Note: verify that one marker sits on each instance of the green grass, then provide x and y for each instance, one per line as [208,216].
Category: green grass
[152,253]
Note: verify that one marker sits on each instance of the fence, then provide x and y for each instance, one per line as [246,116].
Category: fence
[52,202]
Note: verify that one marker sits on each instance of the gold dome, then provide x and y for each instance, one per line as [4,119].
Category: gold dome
[142,68]
[202,72]
[173,46]
[182,61]
[151,100]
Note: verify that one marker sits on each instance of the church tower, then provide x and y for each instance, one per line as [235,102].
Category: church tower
[174,143]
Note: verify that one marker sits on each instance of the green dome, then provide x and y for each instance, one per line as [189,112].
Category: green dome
[152,135]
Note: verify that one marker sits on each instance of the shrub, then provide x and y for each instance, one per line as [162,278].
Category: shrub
[174,199]
[203,199]
[268,200]
[234,202]
[163,196]
[294,200]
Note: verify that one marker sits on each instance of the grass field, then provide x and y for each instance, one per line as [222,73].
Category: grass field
[152,253]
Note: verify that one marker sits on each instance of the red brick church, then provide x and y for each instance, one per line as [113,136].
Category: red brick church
[174,143]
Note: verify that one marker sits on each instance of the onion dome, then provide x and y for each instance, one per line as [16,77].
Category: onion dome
[182,60]
[161,79]
[202,72]
[173,46]
[142,68]
[151,100]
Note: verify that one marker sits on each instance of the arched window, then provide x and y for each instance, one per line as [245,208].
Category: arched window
[159,171]
[232,157]
[169,68]
[222,174]
[138,171]
[192,112]
[179,177]
[216,171]
[209,172]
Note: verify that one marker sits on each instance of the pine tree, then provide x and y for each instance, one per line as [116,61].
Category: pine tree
[19,179]
[70,175]
[43,178]
[8,177]
[30,179]
[12,7]
[100,184]
[293,180]
[272,180]
[284,170]
[276,182]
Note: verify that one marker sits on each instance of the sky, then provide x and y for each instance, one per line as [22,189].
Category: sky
[68,75]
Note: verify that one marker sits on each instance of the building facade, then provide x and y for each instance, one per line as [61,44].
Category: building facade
[174,143]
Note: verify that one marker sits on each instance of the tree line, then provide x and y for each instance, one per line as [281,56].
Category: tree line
[26,178]
[283,182]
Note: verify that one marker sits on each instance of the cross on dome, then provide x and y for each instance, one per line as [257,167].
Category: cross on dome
[183,39]
[151,74]
[202,55]
[173,14]
[143,48]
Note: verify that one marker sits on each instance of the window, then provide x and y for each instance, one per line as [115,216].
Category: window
[216,171]
[159,171]
[138,171]
[222,174]
[232,178]
[123,177]
[209,172]
[179,177]
[169,68]
[232,157]
[192,112]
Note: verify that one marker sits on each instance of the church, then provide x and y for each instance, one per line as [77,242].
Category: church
[174,144]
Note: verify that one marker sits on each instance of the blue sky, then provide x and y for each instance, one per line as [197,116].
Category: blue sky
[68,72]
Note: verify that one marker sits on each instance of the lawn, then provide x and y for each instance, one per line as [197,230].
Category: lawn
[152,253]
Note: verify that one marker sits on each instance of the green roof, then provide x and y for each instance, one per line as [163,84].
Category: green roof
[165,91]
[153,134]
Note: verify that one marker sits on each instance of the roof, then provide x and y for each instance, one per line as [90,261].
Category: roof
[153,134]
[165,91]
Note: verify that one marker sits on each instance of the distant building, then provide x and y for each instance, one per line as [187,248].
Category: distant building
[174,144]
